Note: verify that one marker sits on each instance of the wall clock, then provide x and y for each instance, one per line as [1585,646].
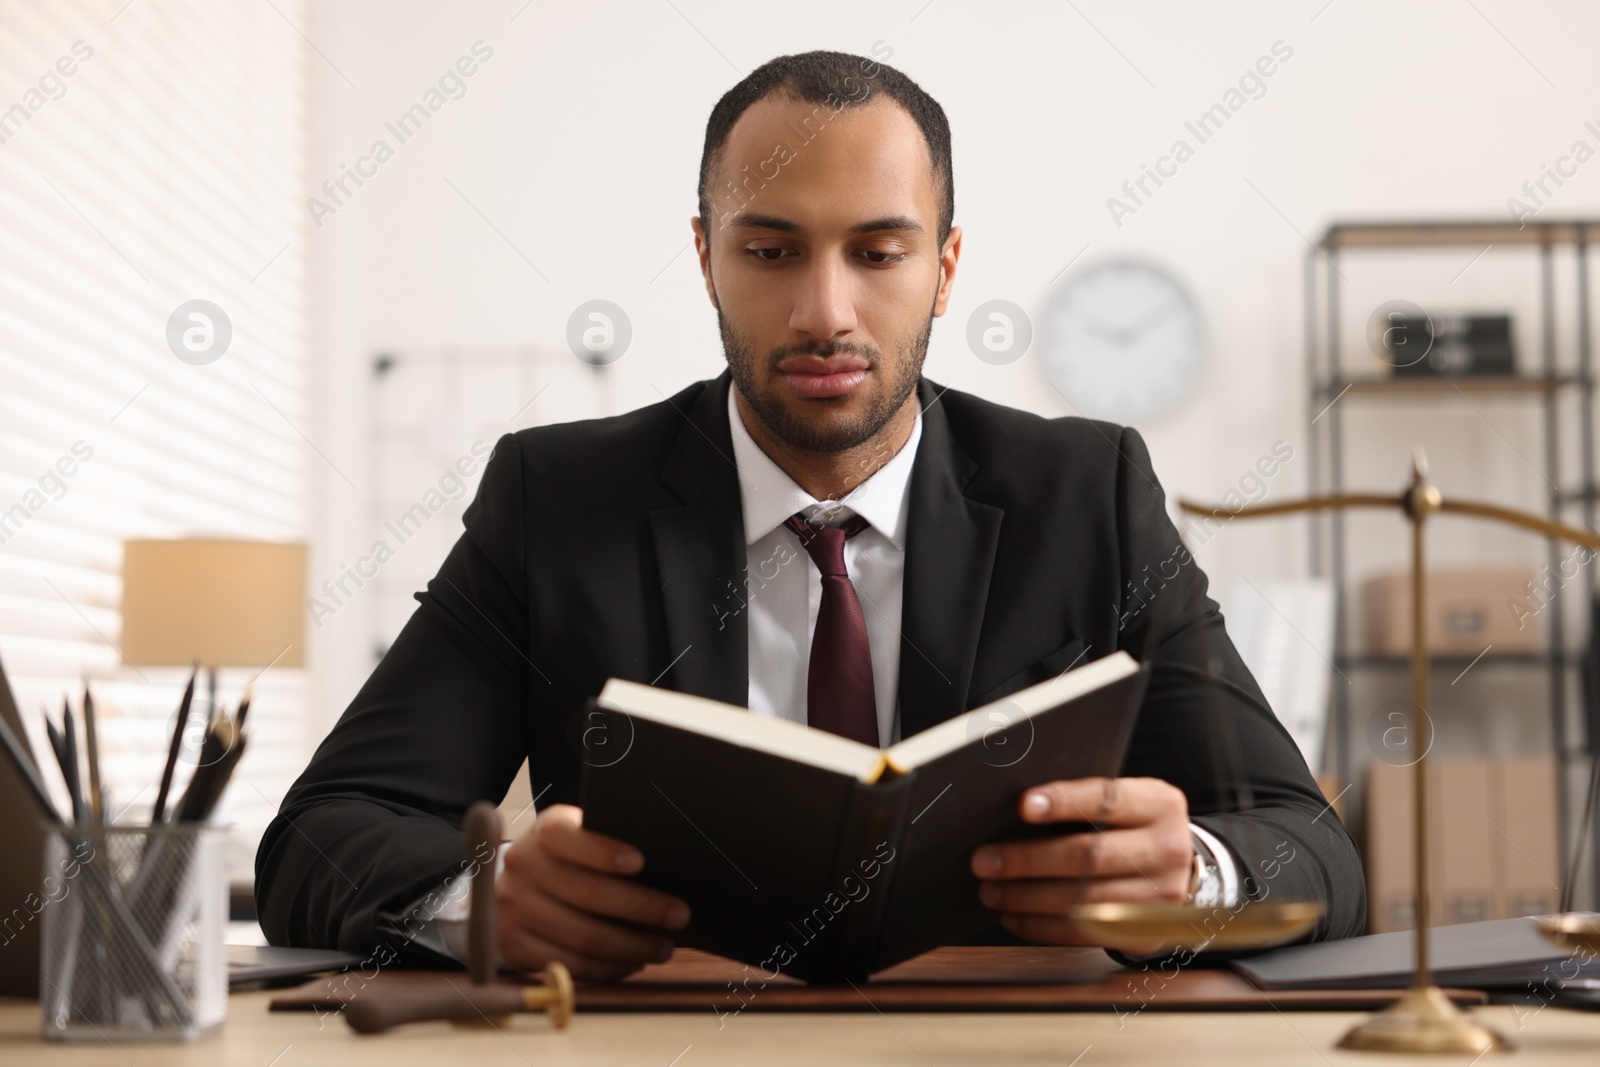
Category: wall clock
[1122,340]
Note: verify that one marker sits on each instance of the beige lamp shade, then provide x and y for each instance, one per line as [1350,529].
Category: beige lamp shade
[223,603]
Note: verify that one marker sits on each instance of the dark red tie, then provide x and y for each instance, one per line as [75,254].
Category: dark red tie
[839,692]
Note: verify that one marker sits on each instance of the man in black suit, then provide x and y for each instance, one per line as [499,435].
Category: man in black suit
[607,547]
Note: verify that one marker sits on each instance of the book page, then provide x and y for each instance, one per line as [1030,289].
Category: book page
[740,726]
[971,727]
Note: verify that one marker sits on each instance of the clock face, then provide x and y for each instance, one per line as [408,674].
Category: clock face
[1122,341]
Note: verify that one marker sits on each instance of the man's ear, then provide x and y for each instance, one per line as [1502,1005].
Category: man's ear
[948,257]
[702,249]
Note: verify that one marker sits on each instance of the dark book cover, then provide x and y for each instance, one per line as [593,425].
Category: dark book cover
[805,853]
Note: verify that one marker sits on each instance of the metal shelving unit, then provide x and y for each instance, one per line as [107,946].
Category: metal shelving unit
[1547,385]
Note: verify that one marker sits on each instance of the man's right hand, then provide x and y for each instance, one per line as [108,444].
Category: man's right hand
[560,890]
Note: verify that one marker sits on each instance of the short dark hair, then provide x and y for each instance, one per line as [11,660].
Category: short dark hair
[834,78]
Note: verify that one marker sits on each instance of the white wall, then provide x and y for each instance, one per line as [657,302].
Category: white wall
[580,139]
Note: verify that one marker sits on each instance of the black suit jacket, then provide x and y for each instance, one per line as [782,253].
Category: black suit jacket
[607,548]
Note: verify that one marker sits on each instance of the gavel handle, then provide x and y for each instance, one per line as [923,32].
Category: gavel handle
[372,1014]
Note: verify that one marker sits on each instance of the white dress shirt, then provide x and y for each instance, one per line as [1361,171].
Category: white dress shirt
[783,589]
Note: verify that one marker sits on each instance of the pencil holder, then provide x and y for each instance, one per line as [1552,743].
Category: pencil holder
[134,931]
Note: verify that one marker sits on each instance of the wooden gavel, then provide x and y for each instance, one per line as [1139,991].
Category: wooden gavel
[484,1000]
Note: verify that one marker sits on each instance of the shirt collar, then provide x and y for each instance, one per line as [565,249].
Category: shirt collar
[771,496]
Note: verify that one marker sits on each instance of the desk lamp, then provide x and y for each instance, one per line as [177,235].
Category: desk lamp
[218,603]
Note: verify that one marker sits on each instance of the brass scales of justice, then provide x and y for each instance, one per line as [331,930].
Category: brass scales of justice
[1424,1019]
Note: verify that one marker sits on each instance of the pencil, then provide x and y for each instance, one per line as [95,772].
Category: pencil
[69,735]
[244,707]
[91,735]
[203,794]
[159,811]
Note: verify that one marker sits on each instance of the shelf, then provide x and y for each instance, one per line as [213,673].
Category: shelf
[1578,495]
[1466,383]
[1333,370]
[1415,234]
[1517,659]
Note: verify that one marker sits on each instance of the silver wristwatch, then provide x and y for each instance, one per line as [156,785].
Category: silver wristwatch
[1205,885]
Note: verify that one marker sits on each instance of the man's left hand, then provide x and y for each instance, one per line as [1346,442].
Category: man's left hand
[1143,851]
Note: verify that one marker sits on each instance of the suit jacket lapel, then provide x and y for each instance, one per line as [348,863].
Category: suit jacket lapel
[700,556]
[950,549]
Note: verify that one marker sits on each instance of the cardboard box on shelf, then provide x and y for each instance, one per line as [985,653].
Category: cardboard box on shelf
[1466,610]
[1529,858]
[1464,847]
[1493,845]
[1388,849]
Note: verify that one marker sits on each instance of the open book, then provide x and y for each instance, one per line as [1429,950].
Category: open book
[804,852]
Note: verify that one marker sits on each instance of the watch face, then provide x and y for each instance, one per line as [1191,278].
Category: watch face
[1208,890]
[1122,341]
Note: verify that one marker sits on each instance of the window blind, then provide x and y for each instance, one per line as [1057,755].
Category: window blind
[150,155]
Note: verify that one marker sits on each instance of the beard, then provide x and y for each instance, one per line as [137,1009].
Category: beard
[811,435]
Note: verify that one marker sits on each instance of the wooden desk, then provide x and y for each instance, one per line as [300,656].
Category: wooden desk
[253,1037]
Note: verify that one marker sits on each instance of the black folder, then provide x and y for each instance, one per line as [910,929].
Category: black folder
[1497,954]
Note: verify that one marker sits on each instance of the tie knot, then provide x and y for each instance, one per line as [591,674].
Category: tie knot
[825,542]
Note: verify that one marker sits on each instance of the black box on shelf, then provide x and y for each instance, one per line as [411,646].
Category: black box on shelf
[1452,344]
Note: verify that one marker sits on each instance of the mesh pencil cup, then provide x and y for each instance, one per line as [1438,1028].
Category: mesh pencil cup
[134,932]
